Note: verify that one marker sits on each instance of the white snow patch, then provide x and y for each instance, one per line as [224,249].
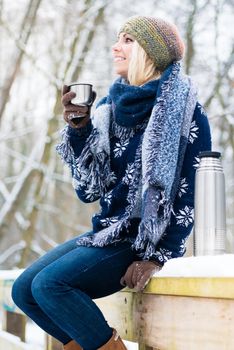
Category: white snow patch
[199,266]
[131,345]
[10,274]
[9,341]
[35,335]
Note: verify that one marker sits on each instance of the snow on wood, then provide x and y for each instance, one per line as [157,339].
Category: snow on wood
[199,266]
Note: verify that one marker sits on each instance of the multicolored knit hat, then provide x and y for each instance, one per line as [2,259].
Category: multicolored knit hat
[160,39]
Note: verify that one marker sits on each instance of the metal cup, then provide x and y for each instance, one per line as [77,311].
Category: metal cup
[84,94]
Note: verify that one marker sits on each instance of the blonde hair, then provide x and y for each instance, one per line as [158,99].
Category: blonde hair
[141,68]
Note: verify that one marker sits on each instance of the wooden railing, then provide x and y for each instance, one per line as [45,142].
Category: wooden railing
[172,314]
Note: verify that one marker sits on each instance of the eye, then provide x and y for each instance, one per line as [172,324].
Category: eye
[128,40]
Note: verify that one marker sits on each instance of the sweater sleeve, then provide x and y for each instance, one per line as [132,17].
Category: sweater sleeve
[172,244]
[70,149]
[78,137]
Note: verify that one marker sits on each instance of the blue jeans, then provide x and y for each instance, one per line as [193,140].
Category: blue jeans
[57,290]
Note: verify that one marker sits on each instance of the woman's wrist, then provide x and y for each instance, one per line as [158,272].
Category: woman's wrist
[82,131]
[156,263]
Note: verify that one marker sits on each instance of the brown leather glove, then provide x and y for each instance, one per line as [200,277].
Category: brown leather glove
[72,111]
[139,273]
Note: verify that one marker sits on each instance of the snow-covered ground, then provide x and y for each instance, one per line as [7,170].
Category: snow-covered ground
[10,274]
[9,342]
[35,335]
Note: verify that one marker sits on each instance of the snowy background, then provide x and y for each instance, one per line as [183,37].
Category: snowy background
[44,44]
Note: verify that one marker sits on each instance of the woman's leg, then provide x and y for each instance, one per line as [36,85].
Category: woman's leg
[64,290]
[22,294]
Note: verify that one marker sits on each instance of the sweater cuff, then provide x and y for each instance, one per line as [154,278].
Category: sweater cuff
[159,261]
[161,256]
[84,131]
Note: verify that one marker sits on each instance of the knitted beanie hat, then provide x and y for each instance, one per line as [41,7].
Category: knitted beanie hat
[160,39]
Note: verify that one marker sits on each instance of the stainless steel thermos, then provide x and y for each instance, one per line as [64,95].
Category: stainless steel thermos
[210,209]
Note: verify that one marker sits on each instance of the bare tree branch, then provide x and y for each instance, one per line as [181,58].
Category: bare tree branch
[24,52]
[26,27]
[220,77]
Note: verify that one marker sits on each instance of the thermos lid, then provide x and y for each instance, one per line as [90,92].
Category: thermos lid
[211,154]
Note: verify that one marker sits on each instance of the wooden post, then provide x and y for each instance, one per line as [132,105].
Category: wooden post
[140,325]
[52,343]
[14,324]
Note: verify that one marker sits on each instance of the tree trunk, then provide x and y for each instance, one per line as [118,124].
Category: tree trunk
[190,51]
[25,31]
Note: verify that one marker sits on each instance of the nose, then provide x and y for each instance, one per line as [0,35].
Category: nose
[116,47]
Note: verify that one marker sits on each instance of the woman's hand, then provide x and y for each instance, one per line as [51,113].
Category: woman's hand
[139,273]
[71,110]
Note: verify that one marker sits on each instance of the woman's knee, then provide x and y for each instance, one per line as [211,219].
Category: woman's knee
[21,290]
[44,285]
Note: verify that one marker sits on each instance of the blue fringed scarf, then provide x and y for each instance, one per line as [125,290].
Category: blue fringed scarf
[159,157]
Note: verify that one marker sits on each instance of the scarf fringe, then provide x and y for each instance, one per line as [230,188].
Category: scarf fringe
[64,148]
[93,169]
[156,217]
[104,237]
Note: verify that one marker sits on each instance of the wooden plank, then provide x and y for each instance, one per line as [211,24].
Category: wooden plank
[52,343]
[171,322]
[220,287]
[186,323]
[118,308]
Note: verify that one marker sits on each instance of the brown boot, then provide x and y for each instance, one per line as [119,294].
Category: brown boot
[115,343]
[72,345]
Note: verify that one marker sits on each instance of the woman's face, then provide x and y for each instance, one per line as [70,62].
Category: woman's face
[121,51]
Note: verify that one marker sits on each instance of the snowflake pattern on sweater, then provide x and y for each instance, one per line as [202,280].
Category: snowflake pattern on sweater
[185,216]
[183,187]
[120,147]
[124,142]
[193,135]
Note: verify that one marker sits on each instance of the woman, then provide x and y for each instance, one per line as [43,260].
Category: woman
[137,154]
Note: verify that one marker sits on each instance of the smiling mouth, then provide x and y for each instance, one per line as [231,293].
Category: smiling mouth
[119,59]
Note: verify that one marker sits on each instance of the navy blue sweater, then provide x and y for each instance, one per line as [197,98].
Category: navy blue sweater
[123,144]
